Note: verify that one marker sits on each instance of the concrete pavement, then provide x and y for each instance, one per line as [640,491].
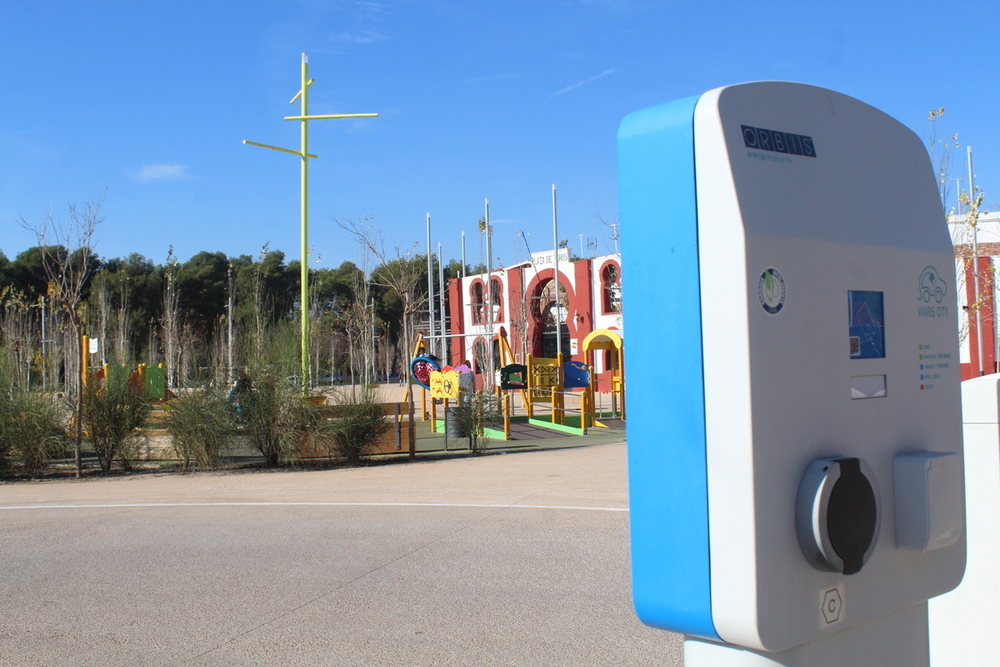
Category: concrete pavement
[511,559]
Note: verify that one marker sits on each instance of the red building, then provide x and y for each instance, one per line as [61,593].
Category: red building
[520,300]
[977,255]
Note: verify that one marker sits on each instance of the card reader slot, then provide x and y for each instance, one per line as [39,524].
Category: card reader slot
[867,386]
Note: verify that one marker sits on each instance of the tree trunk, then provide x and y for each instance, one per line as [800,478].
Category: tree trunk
[74,327]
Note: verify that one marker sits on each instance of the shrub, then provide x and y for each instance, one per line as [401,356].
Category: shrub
[201,426]
[273,418]
[30,430]
[474,413]
[113,414]
[359,424]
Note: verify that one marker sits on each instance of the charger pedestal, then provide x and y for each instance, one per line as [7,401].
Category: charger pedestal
[799,491]
[964,622]
[899,639]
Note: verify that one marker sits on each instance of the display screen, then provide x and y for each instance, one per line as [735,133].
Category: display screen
[867,325]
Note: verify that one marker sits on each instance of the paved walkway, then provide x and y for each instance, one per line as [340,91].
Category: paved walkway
[511,559]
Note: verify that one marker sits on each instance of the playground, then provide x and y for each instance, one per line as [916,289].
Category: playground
[443,411]
[396,445]
[542,398]
[525,436]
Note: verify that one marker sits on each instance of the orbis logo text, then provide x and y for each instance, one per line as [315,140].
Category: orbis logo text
[778,142]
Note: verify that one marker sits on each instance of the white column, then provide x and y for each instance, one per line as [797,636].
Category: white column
[963,623]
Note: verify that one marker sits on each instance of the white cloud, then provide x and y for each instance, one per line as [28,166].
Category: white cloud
[161,172]
[358,37]
[584,82]
[365,25]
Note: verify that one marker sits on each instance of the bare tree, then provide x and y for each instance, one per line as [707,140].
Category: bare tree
[964,230]
[110,308]
[67,256]
[255,324]
[398,271]
[171,320]
[940,153]
[122,333]
[103,307]
[357,325]
[18,336]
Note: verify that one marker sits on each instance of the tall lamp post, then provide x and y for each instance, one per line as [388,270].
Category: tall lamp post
[304,155]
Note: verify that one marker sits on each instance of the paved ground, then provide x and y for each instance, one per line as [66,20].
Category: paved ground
[512,559]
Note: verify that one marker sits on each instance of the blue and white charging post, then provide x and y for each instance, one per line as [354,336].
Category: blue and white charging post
[795,427]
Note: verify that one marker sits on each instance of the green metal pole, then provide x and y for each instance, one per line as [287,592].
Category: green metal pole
[304,155]
[304,271]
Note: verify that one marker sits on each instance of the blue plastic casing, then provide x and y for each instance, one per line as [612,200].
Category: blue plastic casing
[666,414]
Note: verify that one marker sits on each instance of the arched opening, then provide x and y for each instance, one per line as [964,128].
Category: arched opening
[477,301]
[550,317]
[496,299]
[479,358]
[611,289]
[481,362]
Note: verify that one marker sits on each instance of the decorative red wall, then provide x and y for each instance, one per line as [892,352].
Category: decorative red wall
[986,309]
[582,315]
[456,312]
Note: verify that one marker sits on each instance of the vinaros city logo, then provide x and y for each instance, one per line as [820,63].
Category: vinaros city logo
[931,286]
[771,291]
[932,291]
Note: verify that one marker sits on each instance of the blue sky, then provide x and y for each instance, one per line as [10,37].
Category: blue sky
[149,102]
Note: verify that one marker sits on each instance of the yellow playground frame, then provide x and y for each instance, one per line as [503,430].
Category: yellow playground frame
[606,339]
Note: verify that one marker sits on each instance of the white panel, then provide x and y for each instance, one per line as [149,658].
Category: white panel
[728,420]
[981,400]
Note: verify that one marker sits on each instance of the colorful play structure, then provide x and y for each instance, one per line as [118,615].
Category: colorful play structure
[609,342]
[555,393]
[150,380]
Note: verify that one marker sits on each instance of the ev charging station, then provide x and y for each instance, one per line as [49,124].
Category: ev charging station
[795,422]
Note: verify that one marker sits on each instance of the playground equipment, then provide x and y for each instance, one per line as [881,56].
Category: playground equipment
[610,341]
[150,380]
[421,369]
[543,383]
[446,385]
[546,386]
[540,380]
[420,373]
[545,389]
[443,383]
